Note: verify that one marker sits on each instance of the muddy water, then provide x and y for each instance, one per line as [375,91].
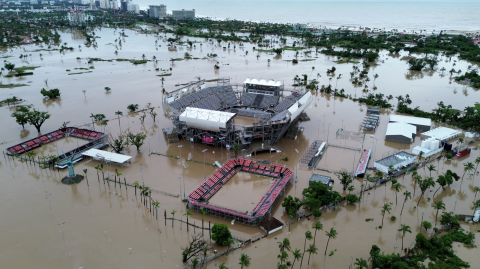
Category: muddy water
[105,228]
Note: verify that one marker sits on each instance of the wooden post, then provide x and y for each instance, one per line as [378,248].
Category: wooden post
[165,216]
[194,228]
[210,231]
[125,182]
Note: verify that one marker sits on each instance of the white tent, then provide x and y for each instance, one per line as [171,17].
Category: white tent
[400,132]
[205,119]
[107,156]
[422,124]
[442,133]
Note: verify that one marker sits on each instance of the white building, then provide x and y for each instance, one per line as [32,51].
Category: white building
[76,17]
[81,2]
[158,11]
[114,4]
[104,4]
[423,124]
[400,132]
[397,161]
[33,2]
[133,8]
[183,14]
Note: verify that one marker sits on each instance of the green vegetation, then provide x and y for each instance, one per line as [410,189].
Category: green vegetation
[221,234]
[472,78]
[24,115]
[348,61]
[53,93]
[3,86]
[132,107]
[11,101]
[436,253]
[291,205]
[164,75]
[136,139]
[24,68]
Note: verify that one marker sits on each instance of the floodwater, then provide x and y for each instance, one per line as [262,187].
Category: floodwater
[47,224]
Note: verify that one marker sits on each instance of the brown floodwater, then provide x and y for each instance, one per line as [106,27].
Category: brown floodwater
[107,226]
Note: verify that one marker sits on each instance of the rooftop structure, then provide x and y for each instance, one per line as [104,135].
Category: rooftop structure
[400,132]
[271,225]
[396,160]
[422,124]
[428,147]
[363,163]
[326,180]
[206,119]
[441,133]
[183,14]
[107,156]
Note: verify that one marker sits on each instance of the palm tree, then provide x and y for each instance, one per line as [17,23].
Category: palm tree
[244,261]
[188,213]
[467,167]
[437,205]
[156,204]
[404,229]
[119,113]
[236,148]
[407,195]
[85,172]
[312,249]
[283,256]
[203,212]
[415,177]
[308,236]
[424,185]
[136,185]
[476,189]
[331,234]
[477,161]
[297,254]
[397,187]
[173,215]
[361,263]
[222,266]
[431,168]
[387,207]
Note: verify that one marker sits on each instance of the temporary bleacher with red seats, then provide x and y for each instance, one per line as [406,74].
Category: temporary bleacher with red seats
[50,137]
[220,177]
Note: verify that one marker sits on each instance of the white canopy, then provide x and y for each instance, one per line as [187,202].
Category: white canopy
[205,119]
[442,133]
[263,82]
[401,128]
[106,155]
[411,120]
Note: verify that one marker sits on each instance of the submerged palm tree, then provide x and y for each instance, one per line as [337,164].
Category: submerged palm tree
[404,229]
[173,215]
[398,188]
[331,234]
[361,263]
[308,236]
[437,205]
[385,208]
[407,195]
[297,254]
[467,167]
[312,249]
[244,261]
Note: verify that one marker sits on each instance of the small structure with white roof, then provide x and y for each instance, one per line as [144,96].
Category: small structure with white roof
[204,119]
[441,133]
[397,160]
[400,132]
[106,156]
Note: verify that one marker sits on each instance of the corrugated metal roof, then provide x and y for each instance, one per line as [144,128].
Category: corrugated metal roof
[411,120]
[205,114]
[401,128]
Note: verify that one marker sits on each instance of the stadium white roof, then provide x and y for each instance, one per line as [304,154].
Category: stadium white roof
[106,156]
[263,82]
[411,120]
[401,128]
[206,119]
[441,133]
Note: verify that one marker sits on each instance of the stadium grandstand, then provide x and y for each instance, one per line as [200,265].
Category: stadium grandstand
[220,115]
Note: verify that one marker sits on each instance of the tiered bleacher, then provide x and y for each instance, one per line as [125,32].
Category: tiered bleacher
[212,98]
[52,136]
[213,184]
[247,99]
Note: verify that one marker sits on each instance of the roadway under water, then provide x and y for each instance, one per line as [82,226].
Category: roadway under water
[107,226]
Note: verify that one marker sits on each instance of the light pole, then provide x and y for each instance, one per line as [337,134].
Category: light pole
[318,131]
[204,171]
[180,179]
[213,155]
[296,167]
[141,170]
[148,140]
[184,180]
[328,131]
[180,146]
[61,225]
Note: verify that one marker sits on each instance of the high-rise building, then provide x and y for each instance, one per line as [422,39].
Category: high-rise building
[76,17]
[183,14]
[133,8]
[158,11]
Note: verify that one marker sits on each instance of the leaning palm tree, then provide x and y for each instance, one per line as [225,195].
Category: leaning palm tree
[398,188]
[387,207]
[477,161]
[156,204]
[312,249]
[297,254]
[476,204]
[404,229]
[437,205]
[222,266]
[308,236]
[331,234]
[361,263]
[244,261]
[476,189]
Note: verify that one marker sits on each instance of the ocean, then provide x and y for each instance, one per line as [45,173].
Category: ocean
[401,15]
